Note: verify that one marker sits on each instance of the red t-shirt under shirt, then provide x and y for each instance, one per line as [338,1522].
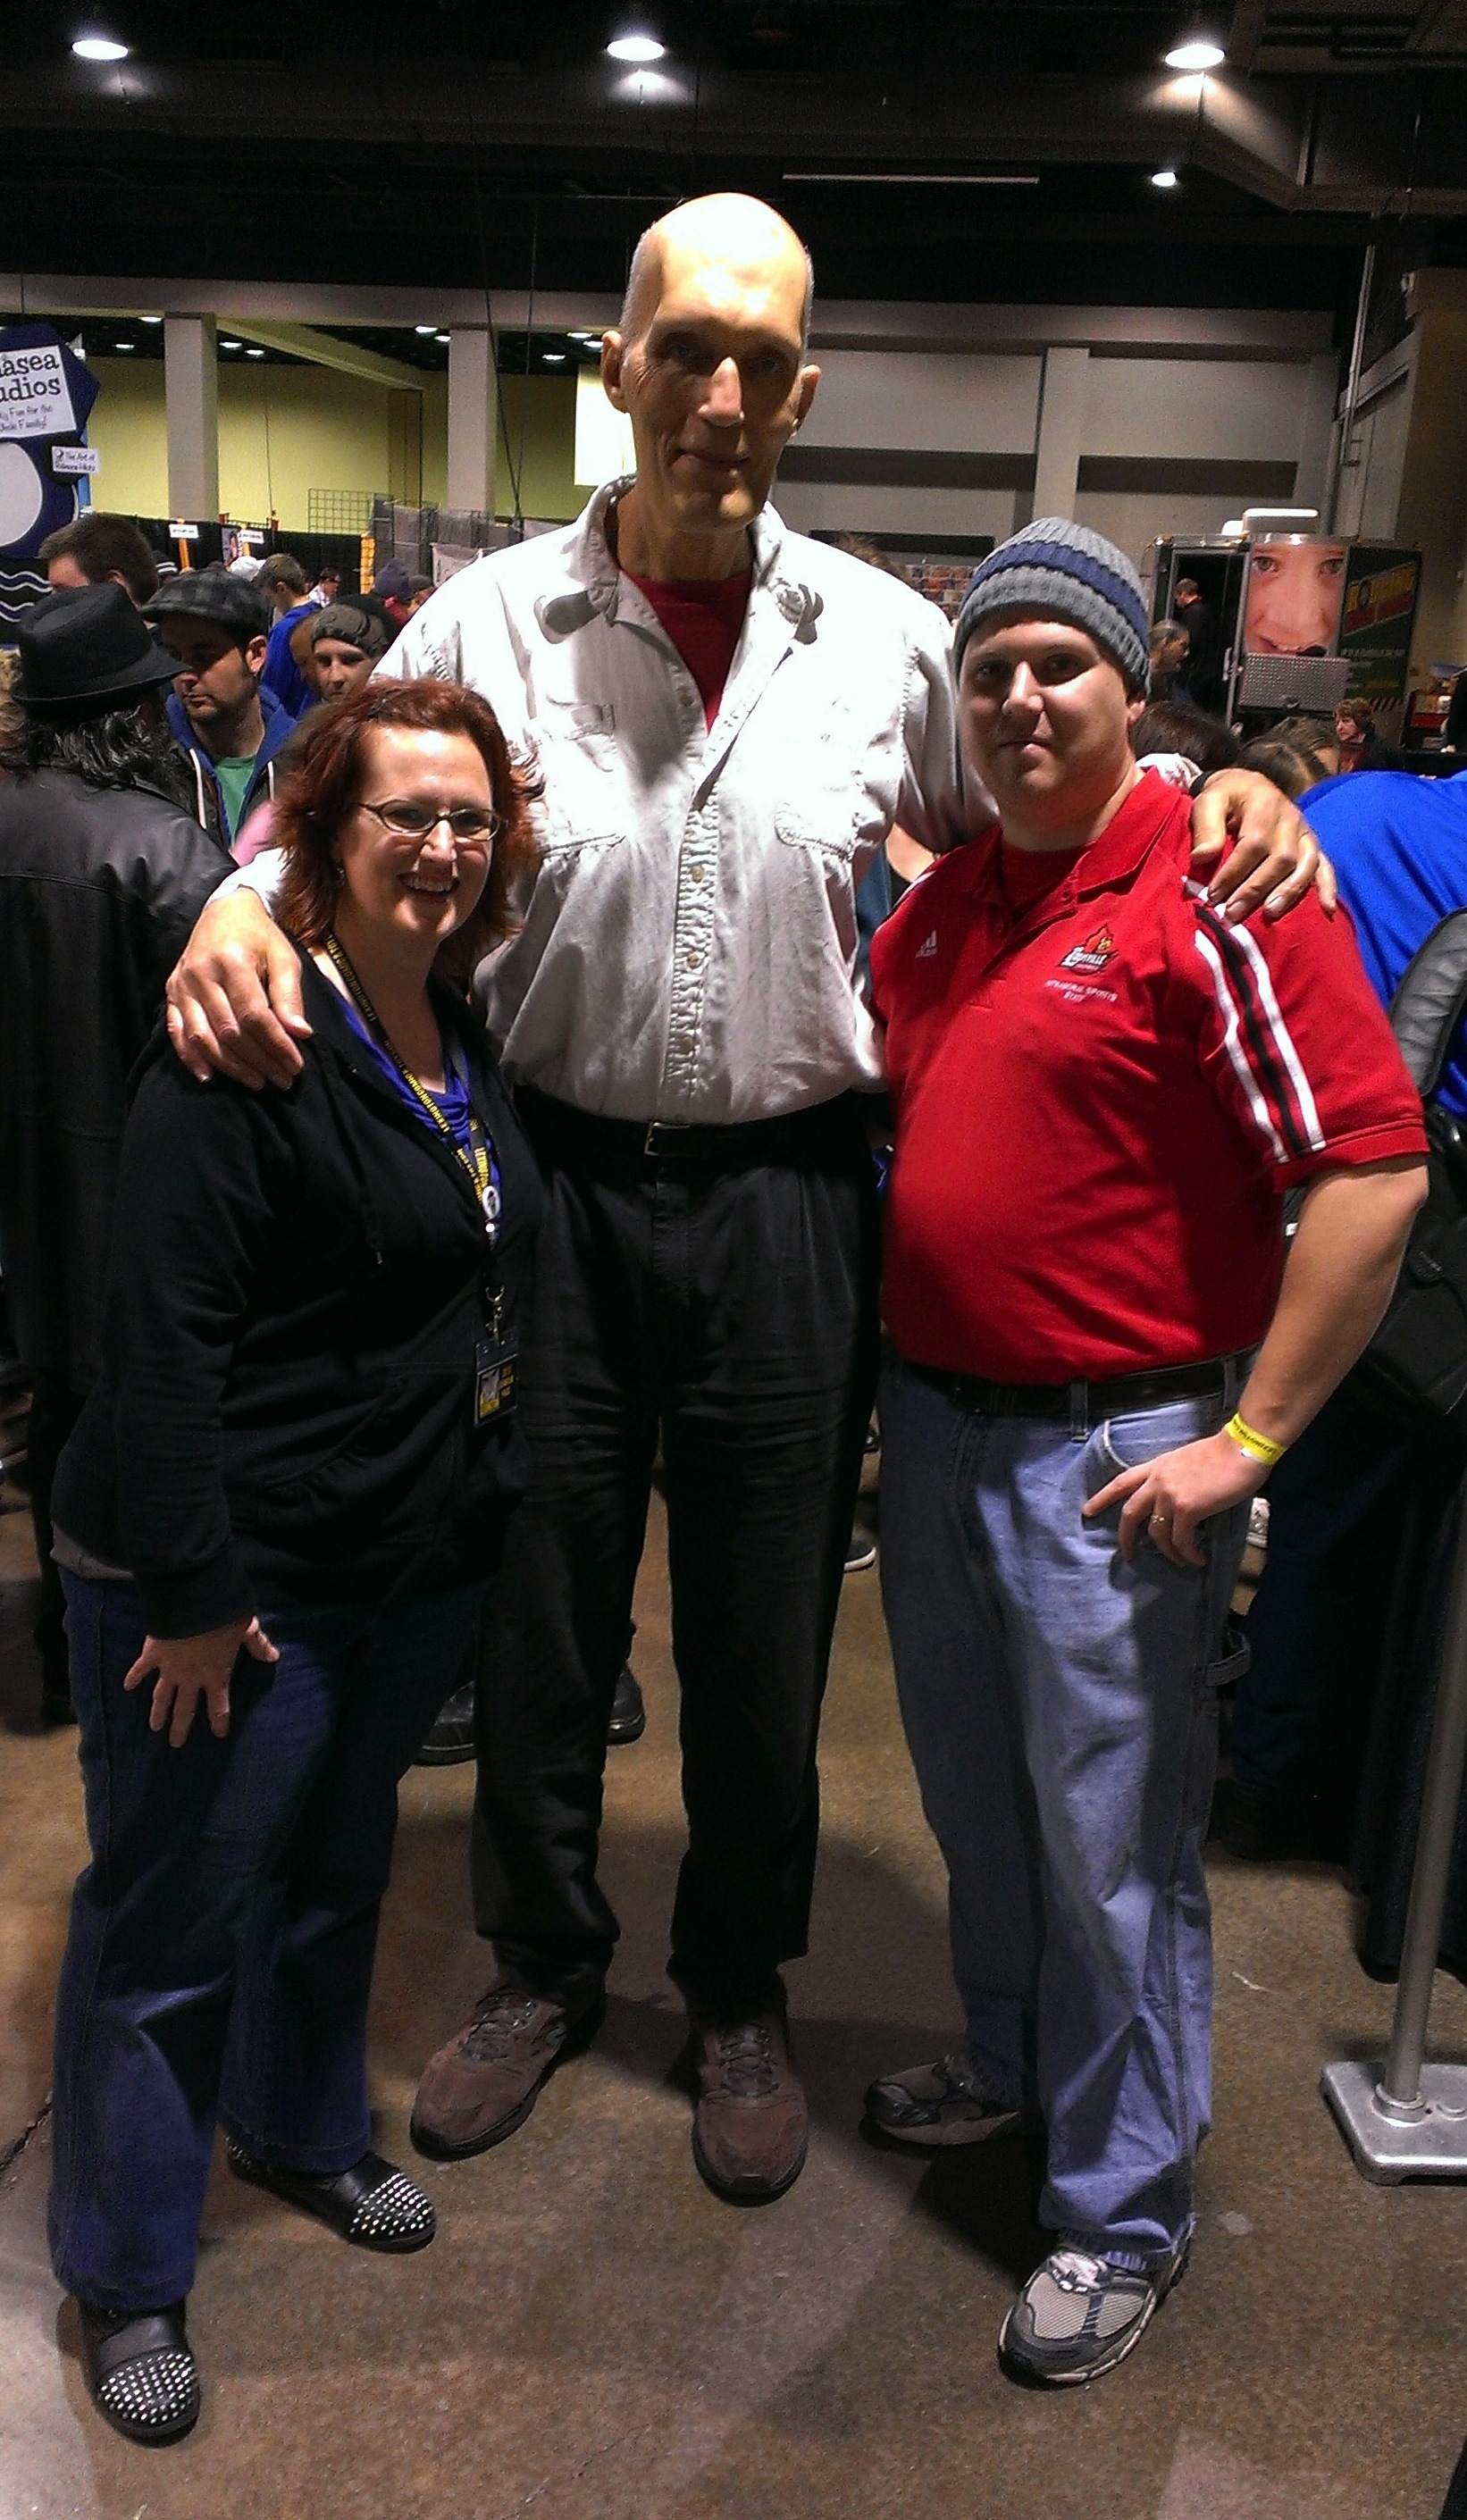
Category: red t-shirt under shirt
[1101,1099]
[704,617]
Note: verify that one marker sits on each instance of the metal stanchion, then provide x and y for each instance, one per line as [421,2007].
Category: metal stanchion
[1404,2118]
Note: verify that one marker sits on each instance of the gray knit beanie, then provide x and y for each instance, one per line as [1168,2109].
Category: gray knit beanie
[1063,572]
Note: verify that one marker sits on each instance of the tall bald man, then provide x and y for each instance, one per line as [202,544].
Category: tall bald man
[729,719]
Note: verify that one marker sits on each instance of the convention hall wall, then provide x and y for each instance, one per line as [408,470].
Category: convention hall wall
[935,441]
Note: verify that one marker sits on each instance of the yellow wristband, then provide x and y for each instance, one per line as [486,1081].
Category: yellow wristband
[1247,1440]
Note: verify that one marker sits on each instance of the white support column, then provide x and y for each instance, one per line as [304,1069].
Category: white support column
[190,385]
[472,418]
[1061,431]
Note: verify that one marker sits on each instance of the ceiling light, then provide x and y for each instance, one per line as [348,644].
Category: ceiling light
[99,48]
[153,319]
[635,46]
[1165,179]
[427,328]
[124,346]
[253,353]
[442,336]
[1197,50]
[554,358]
[231,345]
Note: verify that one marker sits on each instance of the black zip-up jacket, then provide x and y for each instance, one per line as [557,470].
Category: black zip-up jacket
[285,1411]
[99,889]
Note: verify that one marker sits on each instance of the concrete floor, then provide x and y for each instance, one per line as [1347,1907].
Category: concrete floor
[594,2337]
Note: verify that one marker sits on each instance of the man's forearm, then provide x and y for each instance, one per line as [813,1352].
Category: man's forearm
[1336,1282]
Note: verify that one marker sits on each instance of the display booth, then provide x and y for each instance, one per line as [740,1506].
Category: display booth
[1299,621]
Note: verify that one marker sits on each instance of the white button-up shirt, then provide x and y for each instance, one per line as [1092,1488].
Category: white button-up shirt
[689,945]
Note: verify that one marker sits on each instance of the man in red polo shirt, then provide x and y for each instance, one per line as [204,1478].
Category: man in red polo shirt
[1102,1091]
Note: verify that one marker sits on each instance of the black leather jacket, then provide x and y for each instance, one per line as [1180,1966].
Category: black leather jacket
[99,887]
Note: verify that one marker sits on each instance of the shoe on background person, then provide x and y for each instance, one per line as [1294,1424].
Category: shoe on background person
[751,2127]
[860,1553]
[1080,2314]
[451,1740]
[951,2101]
[628,1717]
[483,2082]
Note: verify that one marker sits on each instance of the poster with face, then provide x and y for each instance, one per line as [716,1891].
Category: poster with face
[1295,589]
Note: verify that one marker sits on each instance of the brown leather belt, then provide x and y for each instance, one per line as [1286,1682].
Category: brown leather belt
[1131,1392]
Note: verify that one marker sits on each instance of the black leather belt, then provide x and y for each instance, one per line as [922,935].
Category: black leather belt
[1206,1380]
[792,1137]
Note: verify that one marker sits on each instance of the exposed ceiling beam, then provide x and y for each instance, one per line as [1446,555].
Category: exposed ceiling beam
[325,351]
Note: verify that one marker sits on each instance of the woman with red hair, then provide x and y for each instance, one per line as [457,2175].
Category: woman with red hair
[274,1521]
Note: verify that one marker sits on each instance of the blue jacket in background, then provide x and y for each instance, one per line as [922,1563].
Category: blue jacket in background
[1399,845]
[282,675]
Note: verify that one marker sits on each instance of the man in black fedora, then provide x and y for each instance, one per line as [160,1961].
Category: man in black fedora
[103,871]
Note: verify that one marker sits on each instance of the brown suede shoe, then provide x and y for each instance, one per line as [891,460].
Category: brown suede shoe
[483,2084]
[752,2125]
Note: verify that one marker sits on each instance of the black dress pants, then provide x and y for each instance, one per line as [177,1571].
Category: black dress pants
[729,1304]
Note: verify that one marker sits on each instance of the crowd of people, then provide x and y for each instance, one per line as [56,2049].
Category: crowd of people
[537,1098]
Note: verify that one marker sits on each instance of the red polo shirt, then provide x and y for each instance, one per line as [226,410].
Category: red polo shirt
[1102,1094]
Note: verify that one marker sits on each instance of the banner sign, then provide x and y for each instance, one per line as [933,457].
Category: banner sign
[46,393]
[69,461]
[35,392]
[1379,614]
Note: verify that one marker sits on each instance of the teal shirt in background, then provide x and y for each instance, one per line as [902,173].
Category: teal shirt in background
[233,778]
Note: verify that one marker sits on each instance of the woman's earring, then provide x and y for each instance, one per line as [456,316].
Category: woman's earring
[338,872]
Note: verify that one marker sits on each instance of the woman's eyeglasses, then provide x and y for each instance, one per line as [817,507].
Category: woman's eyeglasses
[402,821]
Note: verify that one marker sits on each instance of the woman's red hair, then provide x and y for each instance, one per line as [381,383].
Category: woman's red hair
[323,783]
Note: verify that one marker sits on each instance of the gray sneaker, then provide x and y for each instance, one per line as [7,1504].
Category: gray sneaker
[952,2101]
[1078,2315]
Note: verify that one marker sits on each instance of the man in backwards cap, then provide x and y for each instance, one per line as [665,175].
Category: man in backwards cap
[1102,1090]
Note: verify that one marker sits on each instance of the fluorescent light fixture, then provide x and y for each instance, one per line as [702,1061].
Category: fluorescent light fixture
[124,346]
[152,319]
[251,352]
[635,46]
[1196,51]
[99,48]
[911,179]
[426,328]
[439,337]
[554,358]
[1165,179]
[231,345]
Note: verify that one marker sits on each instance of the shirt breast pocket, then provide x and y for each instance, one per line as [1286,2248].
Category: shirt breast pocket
[585,797]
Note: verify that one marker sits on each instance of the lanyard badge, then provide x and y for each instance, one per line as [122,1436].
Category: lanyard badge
[496,1355]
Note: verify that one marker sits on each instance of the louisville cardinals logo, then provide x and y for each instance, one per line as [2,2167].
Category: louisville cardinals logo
[1093,956]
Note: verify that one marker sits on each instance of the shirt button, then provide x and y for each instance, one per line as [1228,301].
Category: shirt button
[697,873]
[685,694]
[694,960]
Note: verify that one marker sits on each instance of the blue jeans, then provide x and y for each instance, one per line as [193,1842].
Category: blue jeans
[1061,1711]
[220,1957]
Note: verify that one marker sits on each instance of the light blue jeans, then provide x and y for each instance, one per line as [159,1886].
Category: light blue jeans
[1061,1711]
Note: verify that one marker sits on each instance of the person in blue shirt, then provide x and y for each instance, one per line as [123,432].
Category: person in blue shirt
[283,582]
[1337,1499]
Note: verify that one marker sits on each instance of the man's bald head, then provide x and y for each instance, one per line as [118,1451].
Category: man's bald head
[749,240]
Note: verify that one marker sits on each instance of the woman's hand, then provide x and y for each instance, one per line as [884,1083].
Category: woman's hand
[1171,1495]
[1274,857]
[189,1668]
